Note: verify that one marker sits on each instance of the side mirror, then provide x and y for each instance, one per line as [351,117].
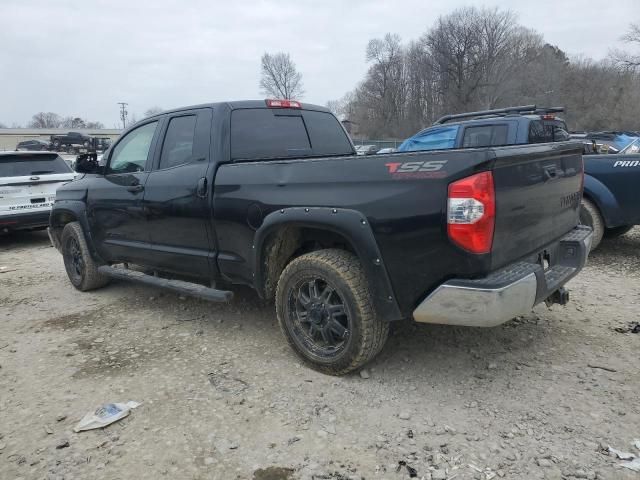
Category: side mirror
[87,163]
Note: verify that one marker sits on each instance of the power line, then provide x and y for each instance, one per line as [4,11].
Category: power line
[123,113]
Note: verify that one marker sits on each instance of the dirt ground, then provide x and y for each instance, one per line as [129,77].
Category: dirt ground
[223,397]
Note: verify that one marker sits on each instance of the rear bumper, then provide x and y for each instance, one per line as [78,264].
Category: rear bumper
[24,221]
[506,293]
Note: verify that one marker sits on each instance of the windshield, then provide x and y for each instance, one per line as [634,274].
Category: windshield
[28,165]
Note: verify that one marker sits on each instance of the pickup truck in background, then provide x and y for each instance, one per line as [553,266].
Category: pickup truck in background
[71,139]
[611,202]
[271,194]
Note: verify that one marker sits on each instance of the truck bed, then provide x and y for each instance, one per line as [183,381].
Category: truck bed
[404,199]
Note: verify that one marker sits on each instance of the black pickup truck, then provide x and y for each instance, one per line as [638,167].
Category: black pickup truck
[69,140]
[271,194]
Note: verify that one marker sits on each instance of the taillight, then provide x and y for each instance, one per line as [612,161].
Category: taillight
[283,104]
[471,212]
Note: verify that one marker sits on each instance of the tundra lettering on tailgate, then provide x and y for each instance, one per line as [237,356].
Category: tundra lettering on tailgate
[429,169]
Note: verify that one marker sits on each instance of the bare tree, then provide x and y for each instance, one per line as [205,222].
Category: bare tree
[280,78]
[476,58]
[73,122]
[94,125]
[152,111]
[45,120]
[2,125]
[625,59]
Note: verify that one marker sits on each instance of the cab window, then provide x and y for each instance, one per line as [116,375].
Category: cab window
[131,153]
[178,142]
[484,136]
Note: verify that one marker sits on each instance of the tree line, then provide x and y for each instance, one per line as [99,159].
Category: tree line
[475,59]
[53,120]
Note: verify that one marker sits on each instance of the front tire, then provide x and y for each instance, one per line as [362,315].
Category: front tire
[325,311]
[81,269]
[590,216]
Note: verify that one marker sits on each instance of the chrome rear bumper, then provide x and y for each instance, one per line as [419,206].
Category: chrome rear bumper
[506,293]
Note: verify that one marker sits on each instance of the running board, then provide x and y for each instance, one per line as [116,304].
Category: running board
[179,286]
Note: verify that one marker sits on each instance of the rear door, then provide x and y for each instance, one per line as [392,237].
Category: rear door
[177,200]
[28,182]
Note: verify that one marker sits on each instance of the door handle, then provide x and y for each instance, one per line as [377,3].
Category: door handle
[135,188]
[201,189]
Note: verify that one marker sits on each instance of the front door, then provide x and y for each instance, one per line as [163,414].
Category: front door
[177,195]
[114,201]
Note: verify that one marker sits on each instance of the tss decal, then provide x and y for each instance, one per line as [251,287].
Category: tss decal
[429,169]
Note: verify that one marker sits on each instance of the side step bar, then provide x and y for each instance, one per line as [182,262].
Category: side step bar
[179,286]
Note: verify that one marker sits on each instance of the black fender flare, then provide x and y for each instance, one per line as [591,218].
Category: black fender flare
[77,210]
[351,225]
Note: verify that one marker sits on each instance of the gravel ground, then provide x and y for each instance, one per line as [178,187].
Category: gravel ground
[223,397]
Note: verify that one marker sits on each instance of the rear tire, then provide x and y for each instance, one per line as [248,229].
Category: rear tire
[617,231]
[590,216]
[325,311]
[81,269]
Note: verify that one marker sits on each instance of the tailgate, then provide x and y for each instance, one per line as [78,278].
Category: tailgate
[538,192]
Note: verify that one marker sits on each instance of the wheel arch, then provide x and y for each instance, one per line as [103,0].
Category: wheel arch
[603,198]
[288,233]
[71,211]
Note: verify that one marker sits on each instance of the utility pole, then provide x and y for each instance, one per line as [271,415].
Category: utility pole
[123,113]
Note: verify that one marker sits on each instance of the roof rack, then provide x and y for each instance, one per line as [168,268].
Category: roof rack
[524,109]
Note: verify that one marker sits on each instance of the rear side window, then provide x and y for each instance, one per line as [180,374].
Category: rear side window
[541,131]
[177,148]
[29,165]
[484,136]
[261,133]
[440,138]
[326,134]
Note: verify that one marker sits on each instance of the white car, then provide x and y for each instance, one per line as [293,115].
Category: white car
[28,184]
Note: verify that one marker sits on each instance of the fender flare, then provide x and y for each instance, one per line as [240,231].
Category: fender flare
[605,200]
[77,210]
[351,225]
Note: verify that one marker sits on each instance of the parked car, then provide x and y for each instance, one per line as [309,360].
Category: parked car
[33,145]
[611,203]
[505,126]
[28,183]
[366,149]
[70,140]
[270,194]
[386,150]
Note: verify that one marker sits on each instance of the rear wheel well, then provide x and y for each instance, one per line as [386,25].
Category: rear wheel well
[289,242]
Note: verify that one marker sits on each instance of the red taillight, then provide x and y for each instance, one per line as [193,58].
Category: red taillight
[283,104]
[548,116]
[471,212]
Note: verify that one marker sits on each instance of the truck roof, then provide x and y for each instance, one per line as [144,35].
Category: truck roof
[238,104]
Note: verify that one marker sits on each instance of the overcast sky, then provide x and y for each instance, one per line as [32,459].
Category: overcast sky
[82,57]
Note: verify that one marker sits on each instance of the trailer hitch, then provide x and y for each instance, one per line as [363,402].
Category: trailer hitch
[560,296]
